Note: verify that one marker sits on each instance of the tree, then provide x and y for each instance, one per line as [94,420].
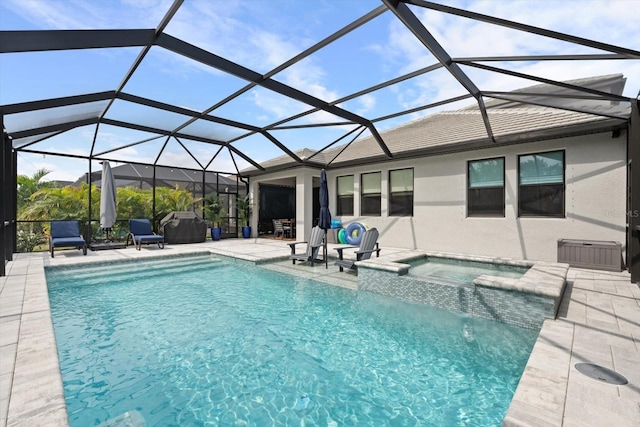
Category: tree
[172,199]
[28,185]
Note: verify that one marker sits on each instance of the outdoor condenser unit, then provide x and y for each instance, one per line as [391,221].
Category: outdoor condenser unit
[594,254]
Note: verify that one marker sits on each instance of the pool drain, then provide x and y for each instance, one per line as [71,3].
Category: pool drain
[601,373]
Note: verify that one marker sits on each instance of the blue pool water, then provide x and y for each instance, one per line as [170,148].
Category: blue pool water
[192,342]
[462,271]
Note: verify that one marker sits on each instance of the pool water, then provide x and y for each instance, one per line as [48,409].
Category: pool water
[462,271]
[192,342]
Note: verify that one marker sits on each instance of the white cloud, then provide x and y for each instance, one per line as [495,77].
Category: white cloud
[79,14]
[367,102]
[612,22]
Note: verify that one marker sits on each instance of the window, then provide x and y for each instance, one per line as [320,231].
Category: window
[485,195]
[370,194]
[401,192]
[541,184]
[345,195]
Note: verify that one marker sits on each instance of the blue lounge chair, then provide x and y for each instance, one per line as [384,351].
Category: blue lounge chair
[66,234]
[313,247]
[140,232]
[368,245]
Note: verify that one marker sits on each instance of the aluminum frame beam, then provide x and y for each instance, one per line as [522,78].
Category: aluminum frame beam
[43,40]
[629,53]
[411,21]
[197,54]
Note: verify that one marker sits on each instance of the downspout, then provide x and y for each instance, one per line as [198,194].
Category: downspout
[633,189]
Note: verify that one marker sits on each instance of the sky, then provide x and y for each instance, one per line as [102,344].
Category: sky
[261,35]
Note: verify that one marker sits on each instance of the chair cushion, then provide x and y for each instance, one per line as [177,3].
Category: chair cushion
[140,227]
[65,229]
[67,241]
[149,238]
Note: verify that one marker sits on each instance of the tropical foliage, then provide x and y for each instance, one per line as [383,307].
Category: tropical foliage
[244,210]
[213,209]
[41,202]
[27,185]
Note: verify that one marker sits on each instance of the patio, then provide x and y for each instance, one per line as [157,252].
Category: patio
[598,322]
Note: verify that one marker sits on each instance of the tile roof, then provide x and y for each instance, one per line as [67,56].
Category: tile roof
[464,129]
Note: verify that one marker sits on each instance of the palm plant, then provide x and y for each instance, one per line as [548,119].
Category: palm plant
[244,210]
[213,209]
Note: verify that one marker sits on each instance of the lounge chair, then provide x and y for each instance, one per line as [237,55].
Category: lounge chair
[140,232]
[66,234]
[368,245]
[313,246]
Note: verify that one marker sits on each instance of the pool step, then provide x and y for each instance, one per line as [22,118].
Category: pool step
[129,272]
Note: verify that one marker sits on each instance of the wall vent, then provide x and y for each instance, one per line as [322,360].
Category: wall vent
[593,254]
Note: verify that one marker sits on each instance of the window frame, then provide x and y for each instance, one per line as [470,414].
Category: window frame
[391,212]
[563,187]
[370,196]
[339,198]
[477,214]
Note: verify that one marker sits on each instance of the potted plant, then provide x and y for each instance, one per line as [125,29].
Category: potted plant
[244,215]
[214,212]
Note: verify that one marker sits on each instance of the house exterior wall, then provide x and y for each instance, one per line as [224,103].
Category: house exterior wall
[595,201]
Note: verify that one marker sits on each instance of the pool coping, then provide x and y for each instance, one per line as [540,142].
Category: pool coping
[550,391]
[542,278]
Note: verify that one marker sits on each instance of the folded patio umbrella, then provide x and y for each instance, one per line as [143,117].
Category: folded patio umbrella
[107,199]
[325,215]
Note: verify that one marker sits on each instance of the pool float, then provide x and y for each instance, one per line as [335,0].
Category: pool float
[342,236]
[354,233]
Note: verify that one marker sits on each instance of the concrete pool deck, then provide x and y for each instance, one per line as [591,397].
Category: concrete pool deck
[598,322]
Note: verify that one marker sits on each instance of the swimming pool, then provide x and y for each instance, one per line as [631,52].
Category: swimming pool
[198,341]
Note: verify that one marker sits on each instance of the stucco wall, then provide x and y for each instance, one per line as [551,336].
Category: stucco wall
[594,201]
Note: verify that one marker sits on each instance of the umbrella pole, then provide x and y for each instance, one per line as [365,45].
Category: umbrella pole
[326,261]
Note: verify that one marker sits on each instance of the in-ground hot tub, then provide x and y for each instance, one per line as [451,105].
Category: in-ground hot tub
[530,292]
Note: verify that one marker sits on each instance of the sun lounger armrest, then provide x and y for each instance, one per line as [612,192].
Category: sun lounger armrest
[360,253]
[342,248]
[293,246]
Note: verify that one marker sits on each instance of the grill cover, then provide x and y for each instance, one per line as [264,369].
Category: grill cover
[183,227]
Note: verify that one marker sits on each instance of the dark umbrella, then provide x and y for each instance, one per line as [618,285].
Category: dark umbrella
[107,199]
[325,214]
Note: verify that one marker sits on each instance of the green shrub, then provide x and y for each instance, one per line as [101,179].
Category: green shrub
[27,242]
